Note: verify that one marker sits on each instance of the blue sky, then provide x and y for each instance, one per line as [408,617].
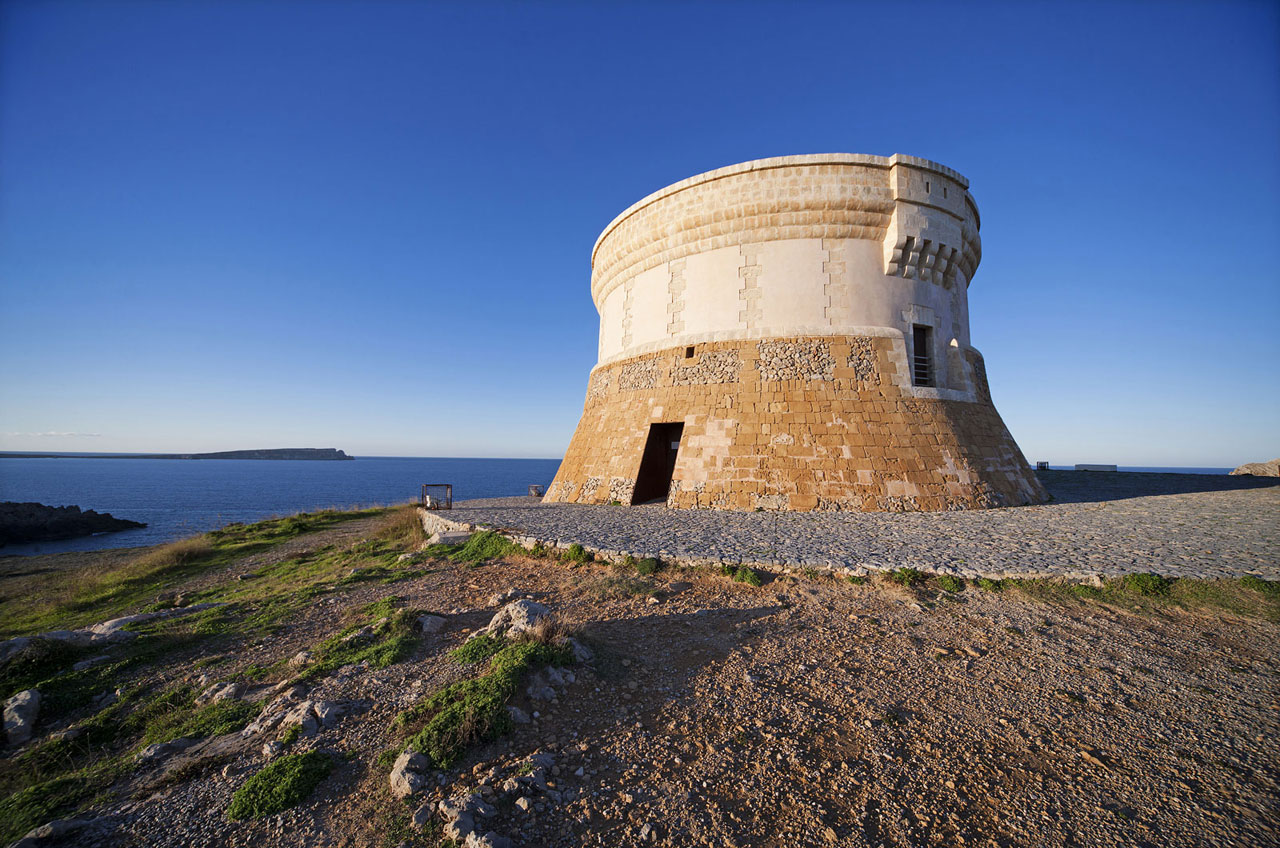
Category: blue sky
[368,225]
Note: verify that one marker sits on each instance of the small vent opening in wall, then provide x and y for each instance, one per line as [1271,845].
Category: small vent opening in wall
[921,355]
[688,353]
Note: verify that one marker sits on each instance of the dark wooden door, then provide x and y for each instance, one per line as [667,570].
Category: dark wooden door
[658,463]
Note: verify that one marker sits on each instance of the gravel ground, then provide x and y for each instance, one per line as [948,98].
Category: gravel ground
[807,712]
[1185,525]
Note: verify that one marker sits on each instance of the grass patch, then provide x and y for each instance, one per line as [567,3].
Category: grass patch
[41,803]
[174,719]
[1271,588]
[92,593]
[283,784]
[1139,593]
[384,638]
[906,576]
[855,580]
[1149,585]
[480,548]
[444,725]
[749,576]
[576,553]
[986,584]
[947,583]
[479,649]
[616,586]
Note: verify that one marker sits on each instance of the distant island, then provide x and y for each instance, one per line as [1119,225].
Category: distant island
[267,453]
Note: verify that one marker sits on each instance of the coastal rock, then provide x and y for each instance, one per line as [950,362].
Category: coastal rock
[1259,469]
[515,618]
[35,522]
[408,775]
[20,714]
[47,834]
[430,623]
[220,692]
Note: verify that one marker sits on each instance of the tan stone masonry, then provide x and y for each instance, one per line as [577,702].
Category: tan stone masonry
[844,439]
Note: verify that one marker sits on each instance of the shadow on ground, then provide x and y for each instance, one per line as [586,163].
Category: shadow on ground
[1096,486]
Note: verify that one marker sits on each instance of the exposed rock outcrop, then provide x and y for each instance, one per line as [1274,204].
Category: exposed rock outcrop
[34,522]
[1259,469]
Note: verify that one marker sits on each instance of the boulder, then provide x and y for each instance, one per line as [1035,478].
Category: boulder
[515,618]
[430,623]
[220,692]
[48,834]
[489,840]
[1259,469]
[20,714]
[408,775]
[153,753]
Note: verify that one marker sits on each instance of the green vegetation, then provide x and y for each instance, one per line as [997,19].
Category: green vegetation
[986,584]
[906,576]
[1257,584]
[947,583]
[577,553]
[1149,585]
[78,597]
[290,735]
[478,649]
[283,784]
[648,567]
[856,581]
[748,575]
[172,718]
[1152,594]
[385,637]
[444,725]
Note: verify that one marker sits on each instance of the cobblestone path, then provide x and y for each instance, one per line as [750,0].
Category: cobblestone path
[1186,525]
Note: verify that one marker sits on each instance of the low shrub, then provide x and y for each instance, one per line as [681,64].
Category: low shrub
[988,585]
[947,583]
[283,784]
[749,576]
[648,566]
[906,576]
[475,710]
[1148,585]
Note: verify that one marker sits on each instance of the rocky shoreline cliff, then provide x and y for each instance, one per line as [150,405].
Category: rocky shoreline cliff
[35,522]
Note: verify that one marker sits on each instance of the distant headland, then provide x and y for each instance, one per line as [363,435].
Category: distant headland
[267,453]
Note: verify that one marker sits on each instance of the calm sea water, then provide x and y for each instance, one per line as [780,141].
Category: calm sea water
[177,498]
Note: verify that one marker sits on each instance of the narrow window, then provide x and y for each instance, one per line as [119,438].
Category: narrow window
[926,187]
[688,353]
[944,191]
[921,355]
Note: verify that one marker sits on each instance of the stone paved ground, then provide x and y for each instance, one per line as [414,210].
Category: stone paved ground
[1205,526]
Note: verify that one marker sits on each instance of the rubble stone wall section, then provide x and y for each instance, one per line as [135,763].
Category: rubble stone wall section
[807,423]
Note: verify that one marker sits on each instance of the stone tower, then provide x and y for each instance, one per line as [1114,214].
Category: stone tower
[793,333]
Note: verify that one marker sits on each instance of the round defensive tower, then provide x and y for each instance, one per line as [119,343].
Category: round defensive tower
[793,333]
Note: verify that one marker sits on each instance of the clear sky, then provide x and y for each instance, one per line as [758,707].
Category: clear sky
[368,225]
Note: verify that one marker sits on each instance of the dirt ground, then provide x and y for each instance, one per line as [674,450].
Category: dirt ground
[807,711]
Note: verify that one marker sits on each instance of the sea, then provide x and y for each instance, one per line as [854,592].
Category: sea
[182,497]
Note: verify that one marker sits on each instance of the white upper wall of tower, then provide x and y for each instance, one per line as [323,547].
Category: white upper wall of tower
[797,245]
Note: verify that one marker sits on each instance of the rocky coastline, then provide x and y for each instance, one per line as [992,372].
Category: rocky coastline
[35,522]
